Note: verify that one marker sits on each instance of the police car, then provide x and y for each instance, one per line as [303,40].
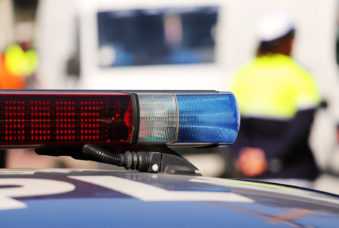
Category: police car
[159,188]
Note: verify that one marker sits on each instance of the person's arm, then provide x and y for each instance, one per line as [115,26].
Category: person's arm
[255,161]
[298,130]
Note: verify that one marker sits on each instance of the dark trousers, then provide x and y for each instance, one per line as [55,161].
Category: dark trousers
[2,158]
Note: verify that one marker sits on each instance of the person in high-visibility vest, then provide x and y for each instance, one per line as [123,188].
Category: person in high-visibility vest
[277,99]
[16,64]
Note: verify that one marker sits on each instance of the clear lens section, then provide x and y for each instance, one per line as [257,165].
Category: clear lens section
[158,118]
[208,118]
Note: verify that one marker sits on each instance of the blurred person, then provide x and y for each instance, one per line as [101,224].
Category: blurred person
[174,37]
[277,100]
[21,59]
[13,66]
[17,62]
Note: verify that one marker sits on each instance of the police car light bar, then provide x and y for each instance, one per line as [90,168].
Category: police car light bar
[63,118]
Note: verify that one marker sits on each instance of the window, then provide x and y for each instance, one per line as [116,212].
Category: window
[156,36]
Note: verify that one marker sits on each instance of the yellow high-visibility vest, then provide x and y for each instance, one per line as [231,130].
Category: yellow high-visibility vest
[19,62]
[274,86]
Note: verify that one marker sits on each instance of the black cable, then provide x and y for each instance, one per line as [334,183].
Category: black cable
[142,161]
[102,155]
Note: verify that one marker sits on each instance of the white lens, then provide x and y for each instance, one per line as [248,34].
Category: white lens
[158,118]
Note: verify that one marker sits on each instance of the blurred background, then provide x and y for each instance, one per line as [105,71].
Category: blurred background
[181,45]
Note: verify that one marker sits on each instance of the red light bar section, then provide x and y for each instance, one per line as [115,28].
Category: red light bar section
[43,119]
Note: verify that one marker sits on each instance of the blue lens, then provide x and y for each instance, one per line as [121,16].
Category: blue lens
[208,118]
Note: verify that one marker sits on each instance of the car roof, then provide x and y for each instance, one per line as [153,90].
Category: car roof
[87,198]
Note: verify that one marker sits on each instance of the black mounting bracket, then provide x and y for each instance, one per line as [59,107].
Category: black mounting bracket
[153,160]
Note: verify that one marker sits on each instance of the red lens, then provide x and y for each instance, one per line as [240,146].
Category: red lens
[56,118]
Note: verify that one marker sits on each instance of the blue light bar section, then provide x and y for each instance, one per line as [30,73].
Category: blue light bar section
[208,118]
